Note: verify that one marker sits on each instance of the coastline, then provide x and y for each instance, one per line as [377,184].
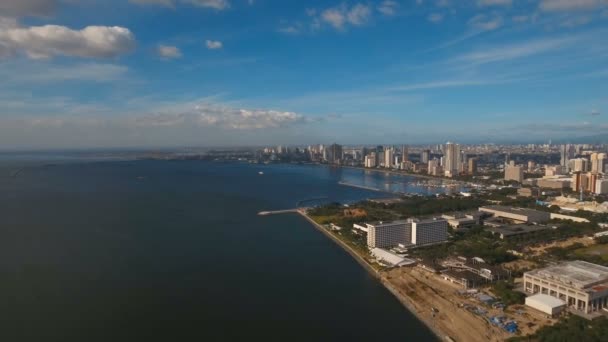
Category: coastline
[398,173]
[403,299]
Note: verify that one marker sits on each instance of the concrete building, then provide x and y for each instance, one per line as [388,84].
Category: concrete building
[528,192]
[333,154]
[388,158]
[425,232]
[410,232]
[583,286]
[552,171]
[579,181]
[546,304]
[601,187]
[520,215]
[567,152]
[598,162]
[425,156]
[514,173]
[405,154]
[370,160]
[388,234]
[507,232]
[451,156]
[459,221]
[531,166]
[557,183]
[579,165]
[472,169]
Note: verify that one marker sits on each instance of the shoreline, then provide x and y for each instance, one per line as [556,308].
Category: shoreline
[398,173]
[403,299]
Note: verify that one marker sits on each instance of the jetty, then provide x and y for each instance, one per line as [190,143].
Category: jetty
[277,212]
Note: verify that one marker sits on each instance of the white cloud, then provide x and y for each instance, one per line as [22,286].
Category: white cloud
[214,44]
[571,5]
[21,8]
[290,29]
[223,117]
[215,4]
[435,17]
[168,52]
[42,73]
[340,16]
[484,3]
[388,7]
[485,22]
[39,42]
[514,51]
[167,3]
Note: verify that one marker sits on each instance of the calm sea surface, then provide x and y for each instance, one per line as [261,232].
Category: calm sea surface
[174,251]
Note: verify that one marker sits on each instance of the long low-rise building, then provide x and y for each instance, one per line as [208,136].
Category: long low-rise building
[520,215]
[506,232]
[390,258]
[583,286]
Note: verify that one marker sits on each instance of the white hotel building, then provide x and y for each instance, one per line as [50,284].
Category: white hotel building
[407,232]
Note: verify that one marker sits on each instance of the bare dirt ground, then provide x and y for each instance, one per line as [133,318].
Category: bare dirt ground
[538,250]
[423,291]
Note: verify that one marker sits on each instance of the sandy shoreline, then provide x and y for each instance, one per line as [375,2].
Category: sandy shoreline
[404,300]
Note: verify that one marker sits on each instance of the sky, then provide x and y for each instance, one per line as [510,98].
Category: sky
[172,73]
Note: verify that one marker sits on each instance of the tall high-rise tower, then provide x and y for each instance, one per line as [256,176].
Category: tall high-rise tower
[451,159]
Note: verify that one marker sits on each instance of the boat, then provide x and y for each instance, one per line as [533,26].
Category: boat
[260,173]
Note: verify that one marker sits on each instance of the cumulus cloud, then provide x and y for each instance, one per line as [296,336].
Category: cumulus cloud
[483,22]
[571,5]
[39,42]
[168,52]
[388,7]
[340,16]
[484,3]
[21,8]
[214,44]
[223,117]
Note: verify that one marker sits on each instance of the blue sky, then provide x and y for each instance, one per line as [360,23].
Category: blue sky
[137,73]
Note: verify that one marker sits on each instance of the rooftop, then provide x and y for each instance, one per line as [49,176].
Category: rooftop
[512,210]
[579,274]
[516,229]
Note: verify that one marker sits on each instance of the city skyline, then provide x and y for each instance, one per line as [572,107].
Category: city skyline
[169,73]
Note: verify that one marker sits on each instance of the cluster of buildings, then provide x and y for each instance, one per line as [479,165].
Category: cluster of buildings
[581,170]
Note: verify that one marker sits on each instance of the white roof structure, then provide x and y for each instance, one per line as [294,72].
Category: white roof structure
[545,303]
[391,258]
[577,274]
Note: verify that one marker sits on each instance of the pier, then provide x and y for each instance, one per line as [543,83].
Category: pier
[362,187]
[277,212]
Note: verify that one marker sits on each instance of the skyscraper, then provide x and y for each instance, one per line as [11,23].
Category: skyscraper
[598,161]
[334,154]
[566,153]
[404,153]
[451,159]
[388,158]
[425,156]
[472,170]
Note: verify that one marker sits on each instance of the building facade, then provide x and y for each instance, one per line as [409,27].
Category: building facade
[582,285]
